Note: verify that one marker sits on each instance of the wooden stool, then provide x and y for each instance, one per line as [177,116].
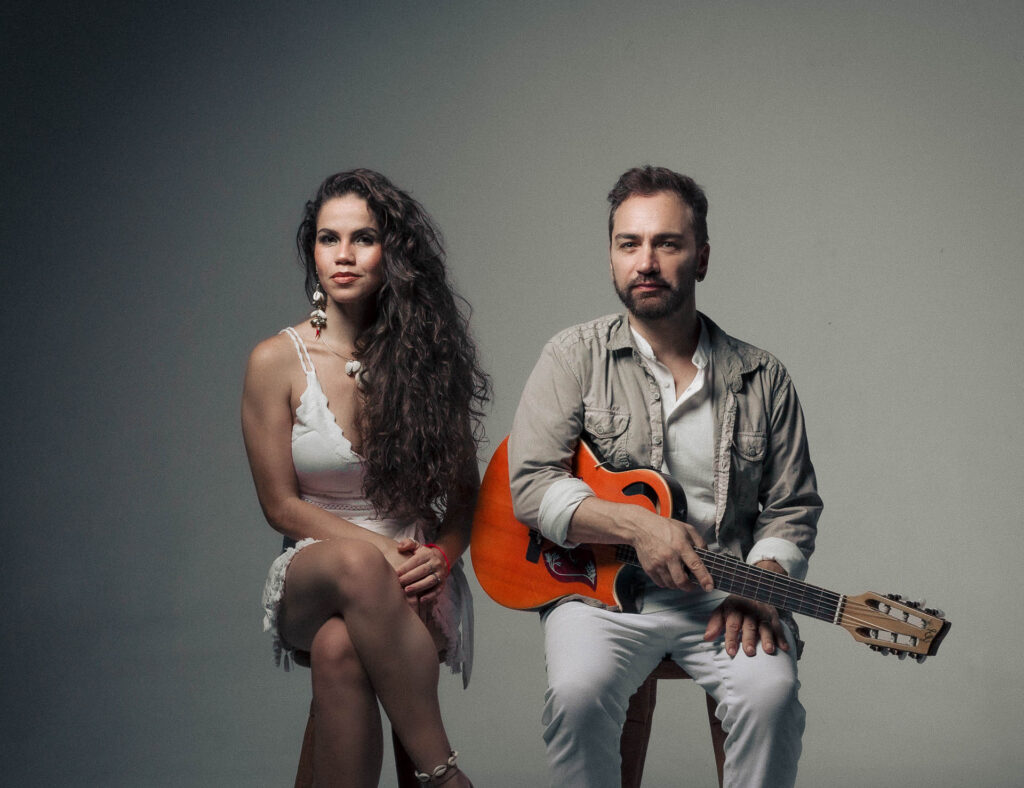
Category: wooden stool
[636,733]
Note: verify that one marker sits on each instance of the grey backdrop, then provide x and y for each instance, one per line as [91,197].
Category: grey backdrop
[863,161]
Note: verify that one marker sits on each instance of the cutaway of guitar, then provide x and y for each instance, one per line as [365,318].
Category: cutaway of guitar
[520,569]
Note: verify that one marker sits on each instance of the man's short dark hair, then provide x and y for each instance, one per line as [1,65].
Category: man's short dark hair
[647,180]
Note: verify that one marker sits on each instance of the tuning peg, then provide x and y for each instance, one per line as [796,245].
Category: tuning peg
[921,658]
[902,655]
[884,650]
[934,611]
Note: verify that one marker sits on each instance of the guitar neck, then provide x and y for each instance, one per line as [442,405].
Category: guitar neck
[762,585]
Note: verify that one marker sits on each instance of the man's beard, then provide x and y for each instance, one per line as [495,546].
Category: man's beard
[666,303]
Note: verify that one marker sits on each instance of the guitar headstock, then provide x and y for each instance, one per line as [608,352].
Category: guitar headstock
[890,624]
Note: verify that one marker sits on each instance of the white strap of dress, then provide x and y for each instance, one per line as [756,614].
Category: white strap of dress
[300,348]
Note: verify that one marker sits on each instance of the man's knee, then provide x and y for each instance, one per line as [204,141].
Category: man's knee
[768,698]
[577,702]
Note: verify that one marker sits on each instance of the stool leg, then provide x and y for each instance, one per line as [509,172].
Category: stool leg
[717,737]
[636,733]
[304,773]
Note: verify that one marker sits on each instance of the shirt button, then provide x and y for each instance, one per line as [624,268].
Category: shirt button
[657,440]
[657,397]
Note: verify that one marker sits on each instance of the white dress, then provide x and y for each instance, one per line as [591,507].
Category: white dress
[330,475]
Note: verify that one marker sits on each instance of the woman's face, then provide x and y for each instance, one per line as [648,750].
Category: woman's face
[347,250]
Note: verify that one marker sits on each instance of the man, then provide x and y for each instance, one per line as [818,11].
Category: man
[664,387]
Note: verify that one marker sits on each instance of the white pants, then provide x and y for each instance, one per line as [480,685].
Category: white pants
[597,658]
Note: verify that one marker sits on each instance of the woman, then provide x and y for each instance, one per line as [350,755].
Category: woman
[360,426]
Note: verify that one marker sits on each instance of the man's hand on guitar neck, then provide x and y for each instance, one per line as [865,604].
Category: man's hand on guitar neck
[665,547]
[744,621]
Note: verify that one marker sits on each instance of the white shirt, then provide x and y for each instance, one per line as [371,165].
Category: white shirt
[689,432]
[689,451]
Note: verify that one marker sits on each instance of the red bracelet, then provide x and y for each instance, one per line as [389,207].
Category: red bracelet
[444,555]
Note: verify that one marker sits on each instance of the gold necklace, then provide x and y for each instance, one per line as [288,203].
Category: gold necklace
[352,366]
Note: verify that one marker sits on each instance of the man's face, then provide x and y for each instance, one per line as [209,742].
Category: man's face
[655,260]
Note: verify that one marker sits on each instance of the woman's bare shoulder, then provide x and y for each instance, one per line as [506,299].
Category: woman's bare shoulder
[274,354]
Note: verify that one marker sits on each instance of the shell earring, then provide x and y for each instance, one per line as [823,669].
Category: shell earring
[318,317]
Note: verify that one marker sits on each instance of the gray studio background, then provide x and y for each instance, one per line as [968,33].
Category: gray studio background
[863,161]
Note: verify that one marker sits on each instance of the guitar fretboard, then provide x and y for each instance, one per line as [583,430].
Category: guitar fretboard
[752,582]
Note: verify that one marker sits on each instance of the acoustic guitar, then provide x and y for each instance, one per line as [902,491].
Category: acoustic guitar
[520,569]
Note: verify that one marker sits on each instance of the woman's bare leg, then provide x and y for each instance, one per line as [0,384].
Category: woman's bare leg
[352,580]
[348,745]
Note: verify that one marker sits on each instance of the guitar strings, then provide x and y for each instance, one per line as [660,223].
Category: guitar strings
[732,575]
[775,588]
[798,590]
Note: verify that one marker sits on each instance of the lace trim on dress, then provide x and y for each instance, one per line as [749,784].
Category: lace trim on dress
[314,407]
[452,616]
[273,591]
[341,506]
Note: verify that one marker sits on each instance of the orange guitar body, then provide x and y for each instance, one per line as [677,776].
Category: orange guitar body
[520,569]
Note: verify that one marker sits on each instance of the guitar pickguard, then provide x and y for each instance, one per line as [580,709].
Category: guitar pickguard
[577,565]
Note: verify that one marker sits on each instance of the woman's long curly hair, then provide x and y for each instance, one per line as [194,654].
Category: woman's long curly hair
[424,390]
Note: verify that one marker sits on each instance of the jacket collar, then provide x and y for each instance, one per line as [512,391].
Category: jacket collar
[619,335]
[732,359]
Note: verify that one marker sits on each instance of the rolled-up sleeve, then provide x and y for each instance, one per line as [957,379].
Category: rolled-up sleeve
[783,552]
[545,433]
[557,507]
[790,504]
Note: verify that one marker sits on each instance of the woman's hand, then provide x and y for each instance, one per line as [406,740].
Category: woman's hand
[424,571]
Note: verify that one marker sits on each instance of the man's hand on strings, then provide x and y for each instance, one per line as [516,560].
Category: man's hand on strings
[666,551]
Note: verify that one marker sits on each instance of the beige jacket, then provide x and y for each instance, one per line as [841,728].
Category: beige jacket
[590,382]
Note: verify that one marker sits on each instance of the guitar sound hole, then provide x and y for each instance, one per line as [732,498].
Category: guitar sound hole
[641,488]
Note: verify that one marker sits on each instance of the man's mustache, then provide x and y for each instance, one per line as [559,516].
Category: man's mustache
[648,280]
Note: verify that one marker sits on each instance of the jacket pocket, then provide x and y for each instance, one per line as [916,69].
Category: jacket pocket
[748,450]
[750,446]
[605,429]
